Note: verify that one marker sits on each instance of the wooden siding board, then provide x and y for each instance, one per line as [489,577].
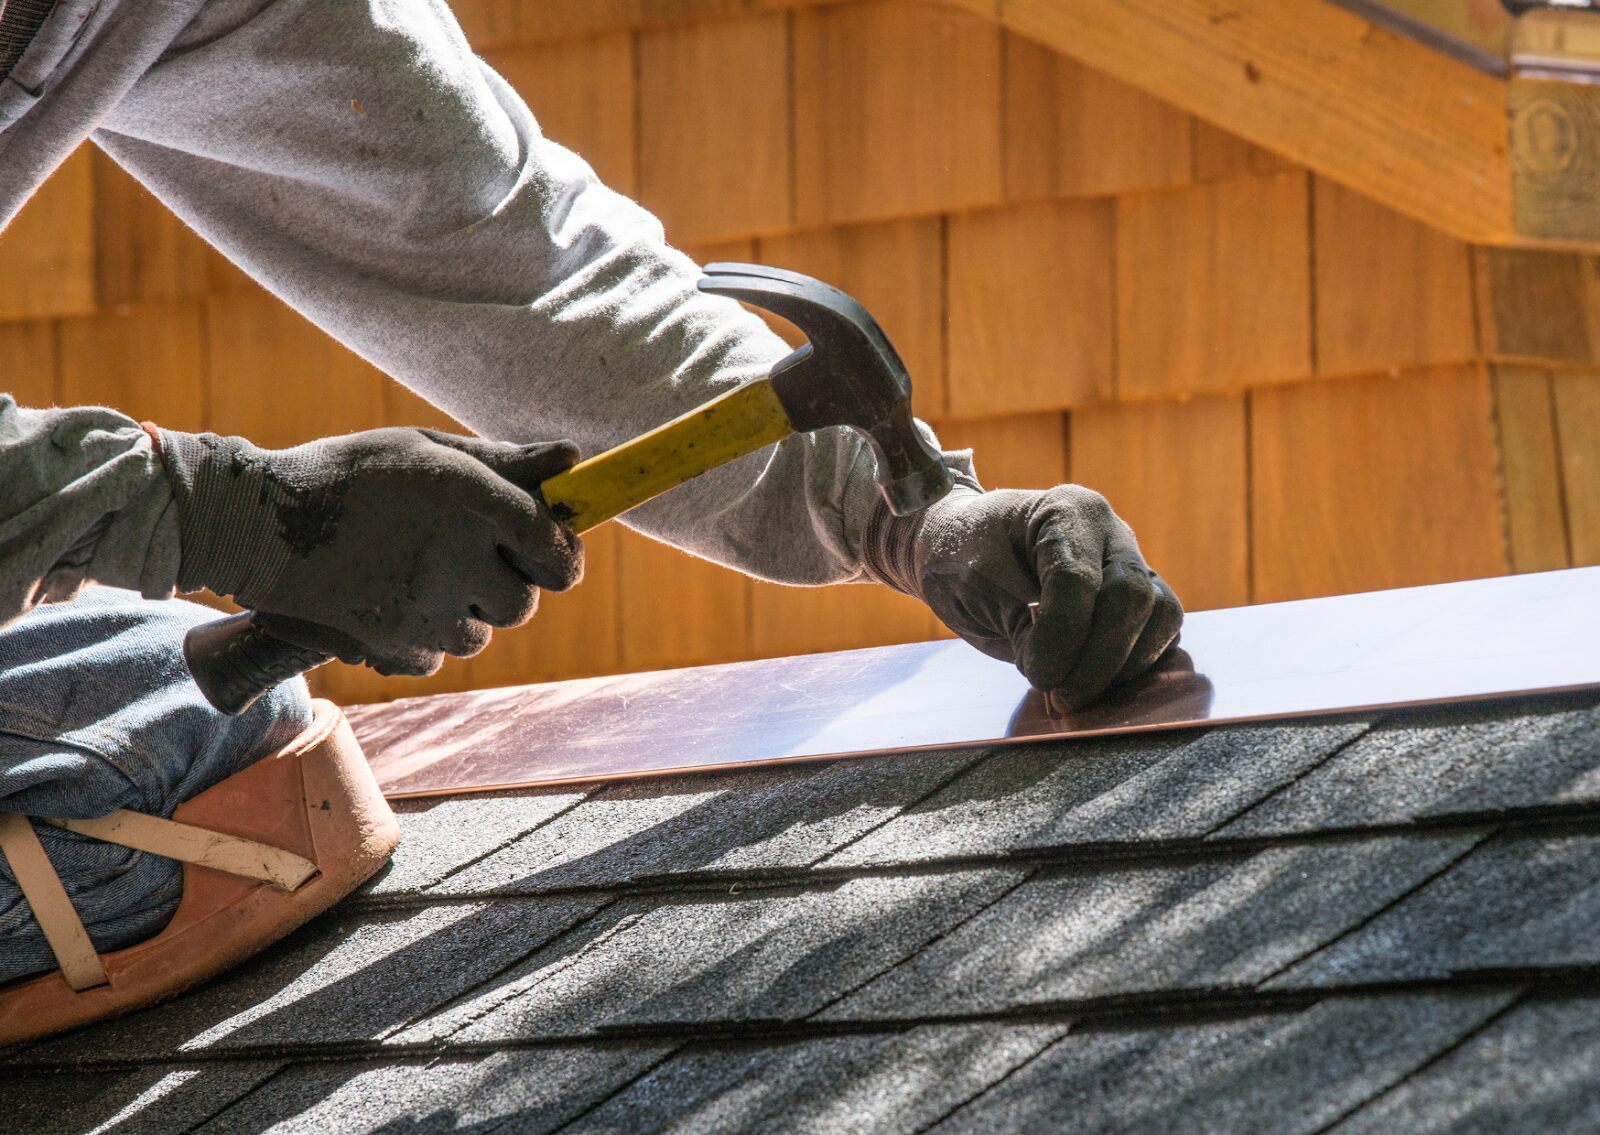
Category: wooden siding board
[583,95]
[1373,482]
[1577,404]
[1213,286]
[1530,469]
[1176,472]
[1390,292]
[498,23]
[1539,305]
[896,270]
[28,370]
[47,253]
[144,253]
[676,609]
[807,620]
[1030,308]
[1071,131]
[714,128]
[1024,451]
[897,111]
[277,380]
[1217,153]
[146,361]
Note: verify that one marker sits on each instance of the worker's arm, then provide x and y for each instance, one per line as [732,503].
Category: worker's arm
[362,163]
[393,546]
[84,498]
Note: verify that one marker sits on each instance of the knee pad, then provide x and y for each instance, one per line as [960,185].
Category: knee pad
[98,712]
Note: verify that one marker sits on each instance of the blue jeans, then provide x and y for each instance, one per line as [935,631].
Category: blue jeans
[97,712]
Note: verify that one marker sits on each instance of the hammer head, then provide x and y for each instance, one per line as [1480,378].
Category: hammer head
[847,374]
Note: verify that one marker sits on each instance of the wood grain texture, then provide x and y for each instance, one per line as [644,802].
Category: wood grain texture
[403,408]
[492,23]
[356,685]
[897,111]
[277,380]
[714,152]
[1530,469]
[1555,159]
[583,94]
[223,275]
[1030,308]
[1539,306]
[1023,451]
[896,270]
[1217,153]
[1071,131]
[147,361]
[1577,405]
[574,634]
[143,252]
[676,609]
[47,254]
[28,370]
[743,251]
[1390,292]
[1213,286]
[1176,472]
[1369,108]
[806,620]
[1373,482]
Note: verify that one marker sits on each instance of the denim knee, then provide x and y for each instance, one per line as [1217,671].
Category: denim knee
[98,712]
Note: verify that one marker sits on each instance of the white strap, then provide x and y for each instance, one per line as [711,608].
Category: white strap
[41,886]
[233,854]
[59,920]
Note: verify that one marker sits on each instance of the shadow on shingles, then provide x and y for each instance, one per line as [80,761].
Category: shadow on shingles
[778,806]
[748,810]
[484,951]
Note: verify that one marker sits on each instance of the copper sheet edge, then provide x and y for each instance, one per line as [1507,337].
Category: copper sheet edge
[1484,639]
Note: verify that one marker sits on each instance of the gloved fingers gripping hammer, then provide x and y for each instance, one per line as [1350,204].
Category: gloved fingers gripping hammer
[529,553]
[393,546]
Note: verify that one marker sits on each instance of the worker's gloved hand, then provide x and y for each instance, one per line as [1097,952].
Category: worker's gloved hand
[392,547]
[980,559]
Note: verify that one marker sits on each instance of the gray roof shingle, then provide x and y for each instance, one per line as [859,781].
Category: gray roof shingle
[1378,922]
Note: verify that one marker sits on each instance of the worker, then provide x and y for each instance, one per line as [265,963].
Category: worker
[356,158]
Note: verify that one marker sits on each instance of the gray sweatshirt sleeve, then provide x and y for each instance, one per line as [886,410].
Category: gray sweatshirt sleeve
[82,497]
[362,163]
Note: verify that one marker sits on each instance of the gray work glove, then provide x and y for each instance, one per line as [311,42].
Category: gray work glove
[392,547]
[980,559]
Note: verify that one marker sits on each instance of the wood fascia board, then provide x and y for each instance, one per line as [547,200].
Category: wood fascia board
[1371,109]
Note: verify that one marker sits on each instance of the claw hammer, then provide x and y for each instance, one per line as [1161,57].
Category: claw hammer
[846,374]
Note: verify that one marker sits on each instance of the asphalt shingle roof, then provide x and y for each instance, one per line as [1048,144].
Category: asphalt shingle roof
[1376,923]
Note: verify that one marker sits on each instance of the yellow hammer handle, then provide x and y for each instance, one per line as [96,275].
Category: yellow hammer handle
[610,483]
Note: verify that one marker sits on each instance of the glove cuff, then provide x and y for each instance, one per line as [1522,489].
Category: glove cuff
[228,507]
[888,549]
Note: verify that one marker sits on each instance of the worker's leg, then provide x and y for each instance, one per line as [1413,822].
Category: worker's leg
[97,712]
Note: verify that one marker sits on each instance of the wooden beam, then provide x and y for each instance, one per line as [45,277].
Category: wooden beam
[1555,160]
[1367,107]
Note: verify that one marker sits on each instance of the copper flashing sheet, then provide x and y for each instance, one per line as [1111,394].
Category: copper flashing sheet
[1452,642]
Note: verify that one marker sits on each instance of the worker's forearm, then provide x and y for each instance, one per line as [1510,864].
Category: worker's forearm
[439,234]
[82,497]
